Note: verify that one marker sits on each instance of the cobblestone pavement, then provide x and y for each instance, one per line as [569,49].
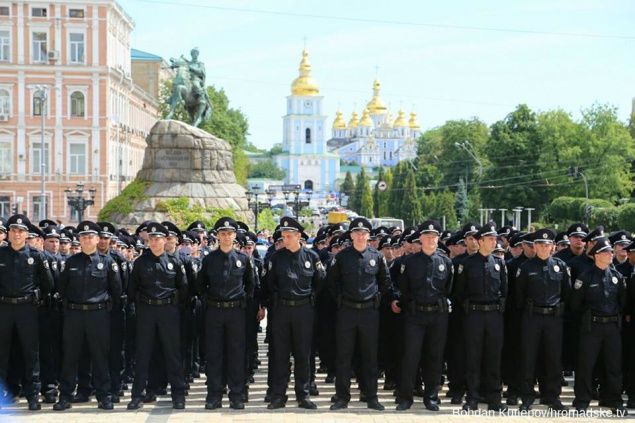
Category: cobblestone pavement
[256,411]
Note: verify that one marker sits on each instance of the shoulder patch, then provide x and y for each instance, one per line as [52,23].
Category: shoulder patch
[54,264]
[124,266]
[333,262]
[518,272]
[46,264]
[115,267]
[270,266]
[460,269]
[577,284]
[319,266]
[403,268]
[62,265]
[194,267]
[183,268]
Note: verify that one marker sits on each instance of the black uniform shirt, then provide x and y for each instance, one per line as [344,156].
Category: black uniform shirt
[601,291]
[358,276]
[580,264]
[90,279]
[566,255]
[480,279]
[157,277]
[544,282]
[426,279]
[23,271]
[295,275]
[226,276]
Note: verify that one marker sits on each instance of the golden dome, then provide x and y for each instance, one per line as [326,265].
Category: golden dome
[413,122]
[339,122]
[305,84]
[401,120]
[376,105]
[366,120]
[354,121]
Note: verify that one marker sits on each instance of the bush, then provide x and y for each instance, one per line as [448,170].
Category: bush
[122,204]
[626,217]
[182,213]
[605,216]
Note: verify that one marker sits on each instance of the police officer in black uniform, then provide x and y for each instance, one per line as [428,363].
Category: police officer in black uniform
[90,284]
[24,277]
[226,280]
[481,290]
[599,296]
[542,290]
[425,285]
[357,277]
[294,276]
[158,286]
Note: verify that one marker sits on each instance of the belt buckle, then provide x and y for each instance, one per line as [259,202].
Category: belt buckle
[84,307]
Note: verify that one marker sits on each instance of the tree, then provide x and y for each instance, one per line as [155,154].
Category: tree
[396,189]
[411,206]
[266,221]
[360,185]
[376,191]
[383,197]
[348,187]
[626,217]
[461,204]
[366,203]
[267,170]
[445,207]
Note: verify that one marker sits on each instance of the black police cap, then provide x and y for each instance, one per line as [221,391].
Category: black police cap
[142,228]
[430,227]
[107,229]
[242,226]
[360,224]
[486,230]
[443,248]
[173,230]
[562,238]
[226,224]
[35,232]
[602,245]
[52,231]
[544,236]
[88,227]
[595,234]
[251,238]
[46,222]
[471,228]
[386,242]
[199,226]
[155,229]
[18,221]
[621,238]
[290,224]
[578,229]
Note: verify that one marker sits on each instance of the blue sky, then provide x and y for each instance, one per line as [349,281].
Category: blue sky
[446,59]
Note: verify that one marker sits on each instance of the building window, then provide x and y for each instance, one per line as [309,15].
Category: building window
[39,12]
[391,155]
[77,48]
[4,11]
[5,158]
[76,13]
[78,158]
[384,156]
[77,104]
[39,47]
[5,46]
[38,210]
[5,206]
[5,102]
[36,154]
[307,136]
[38,105]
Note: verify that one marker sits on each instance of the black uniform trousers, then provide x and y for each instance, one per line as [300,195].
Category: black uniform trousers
[510,370]
[164,321]
[604,339]
[130,337]
[484,344]
[455,352]
[225,344]
[424,342]
[93,328]
[50,346]
[628,364]
[22,320]
[357,327]
[292,332]
[390,342]
[117,337]
[251,331]
[326,309]
[541,335]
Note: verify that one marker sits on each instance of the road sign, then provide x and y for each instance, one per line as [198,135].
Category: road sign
[381,185]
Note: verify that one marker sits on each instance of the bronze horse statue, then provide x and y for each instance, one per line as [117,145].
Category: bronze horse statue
[188,89]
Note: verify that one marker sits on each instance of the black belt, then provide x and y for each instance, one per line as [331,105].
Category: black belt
[156,302]
[87,307]
[546,311]
[605,319]
[17,300]
[223,304]
[426,308]
[294,303]
[359,306]
[485,307]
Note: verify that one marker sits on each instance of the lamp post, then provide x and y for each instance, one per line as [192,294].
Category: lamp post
[517,223]
[77,199]
[254,194]
[502,216]
[43,90]
[296,193]
[577,172]
[465,145]
[529,219]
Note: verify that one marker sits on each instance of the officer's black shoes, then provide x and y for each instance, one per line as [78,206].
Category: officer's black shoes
[335,398]
[630,404]
[115,399]
[329,379]
[62,404]
[431,405]
[307,404]
[339,405]
[251,379]
[512,400]
[135,404]
[277,402]
[50,399]
[567,373]
[563,381]
[79,398]
[196,374]
[105,404]
[237,405]
[34,404]
[190,379]
[390,385]
[418,392]
[497,406]
[557,405]
[545,401]
[313,390]
[162,391]
[178,404]
[524,408]
[469,405]
[268,396]
[149,398]
[458,399]
[362,398]
[404,405]
[595,394]
[213,404]
[620,411]
[374,404]
[124,387]
[244,396]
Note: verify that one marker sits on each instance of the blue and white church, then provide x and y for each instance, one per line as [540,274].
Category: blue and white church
[305,156]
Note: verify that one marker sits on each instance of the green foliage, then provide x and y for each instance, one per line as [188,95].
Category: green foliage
[306,212]
[348,188]
[355,203]
[377,192]
[396,196]
[366,202]
[445,207]
[265,220]
[559,209]
[266,170]
[606,216]
[383,198]
[411,206]
[276,149]
[576,209]
[182,212]
[461,204]
[626,217]
[122,204]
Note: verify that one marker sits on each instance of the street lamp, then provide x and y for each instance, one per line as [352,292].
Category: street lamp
[465,145]
[254,194]
[577,172]
[77,199]
[43,90]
